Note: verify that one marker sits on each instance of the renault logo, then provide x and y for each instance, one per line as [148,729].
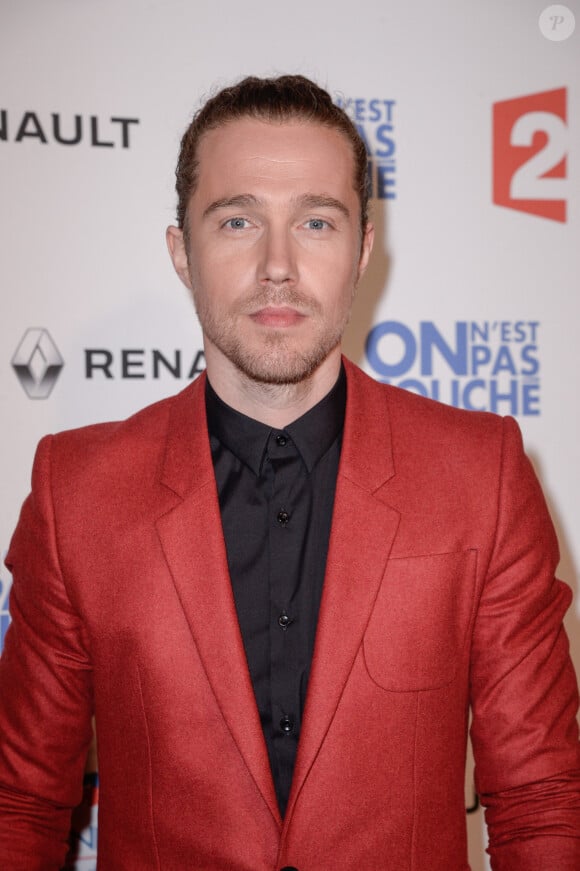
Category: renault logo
[37,363]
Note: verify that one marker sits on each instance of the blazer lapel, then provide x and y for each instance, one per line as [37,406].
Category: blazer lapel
[363,531]
[192,541]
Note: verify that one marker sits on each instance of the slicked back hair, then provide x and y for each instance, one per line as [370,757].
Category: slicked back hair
[285,98]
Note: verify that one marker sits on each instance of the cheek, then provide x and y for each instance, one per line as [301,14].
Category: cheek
[226,268]
[218,288]
[336,281]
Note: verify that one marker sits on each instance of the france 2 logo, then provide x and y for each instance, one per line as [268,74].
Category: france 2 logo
[529,154]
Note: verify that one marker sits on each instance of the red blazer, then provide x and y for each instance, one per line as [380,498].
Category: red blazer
[439,593]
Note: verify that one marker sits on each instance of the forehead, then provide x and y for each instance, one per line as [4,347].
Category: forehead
[253,152]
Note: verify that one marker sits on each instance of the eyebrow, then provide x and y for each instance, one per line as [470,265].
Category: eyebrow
[307,201]
[241,201]
[321,201]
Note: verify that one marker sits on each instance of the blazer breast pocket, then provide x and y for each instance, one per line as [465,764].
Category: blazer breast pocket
[420,620]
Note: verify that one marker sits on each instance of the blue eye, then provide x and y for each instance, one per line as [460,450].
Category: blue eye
[317,224]
[237,223]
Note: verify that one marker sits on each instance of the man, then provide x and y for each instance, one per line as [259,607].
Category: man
[337,569]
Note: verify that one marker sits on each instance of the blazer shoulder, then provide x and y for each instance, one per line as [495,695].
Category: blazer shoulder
[140,425]
[431,413]
[125,450]
[425,416]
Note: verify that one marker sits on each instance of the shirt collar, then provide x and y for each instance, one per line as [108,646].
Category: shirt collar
[246,438]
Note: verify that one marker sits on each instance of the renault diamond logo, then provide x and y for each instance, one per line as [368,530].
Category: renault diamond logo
[37,363]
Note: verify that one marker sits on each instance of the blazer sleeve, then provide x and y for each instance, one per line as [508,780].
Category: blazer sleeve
[523,687]
[45,692]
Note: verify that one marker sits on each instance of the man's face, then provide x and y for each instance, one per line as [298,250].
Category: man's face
[275,249]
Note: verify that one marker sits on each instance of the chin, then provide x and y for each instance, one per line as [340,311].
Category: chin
[272,366]
[277,372]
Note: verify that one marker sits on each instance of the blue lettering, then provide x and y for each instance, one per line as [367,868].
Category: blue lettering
[529,356]
[379,332]
[431,337]
[89,837]
[389,109]
[384,183]
[4,593]
[455,401]
[531,399]
[504,362]
[382,135]
[511,398]
[375,111]
[5,584]
[505,331]
[4,624]
[480,356]
[480,332]
[476,384]
[359,113]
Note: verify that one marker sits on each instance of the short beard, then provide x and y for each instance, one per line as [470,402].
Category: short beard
[276,363]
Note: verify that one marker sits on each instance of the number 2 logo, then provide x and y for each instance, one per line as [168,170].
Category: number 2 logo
[530,144]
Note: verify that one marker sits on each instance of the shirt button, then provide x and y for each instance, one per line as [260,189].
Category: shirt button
[286,725]
[281,440]
[284,620]
[283,517]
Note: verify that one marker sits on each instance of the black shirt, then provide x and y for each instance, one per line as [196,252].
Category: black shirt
[276,492]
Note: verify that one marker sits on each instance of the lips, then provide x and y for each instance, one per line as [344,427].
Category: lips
[277,316]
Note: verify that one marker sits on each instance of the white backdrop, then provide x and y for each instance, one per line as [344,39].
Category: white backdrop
[472,296]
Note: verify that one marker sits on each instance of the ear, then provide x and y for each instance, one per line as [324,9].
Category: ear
[178,253]
[365,249]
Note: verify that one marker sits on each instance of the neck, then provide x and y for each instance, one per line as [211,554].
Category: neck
[276,405]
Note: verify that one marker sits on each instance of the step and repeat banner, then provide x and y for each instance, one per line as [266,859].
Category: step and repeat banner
[471,115]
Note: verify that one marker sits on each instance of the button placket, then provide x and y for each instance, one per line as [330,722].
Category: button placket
[285,533]
[284,620]
[286,724]
[282,462]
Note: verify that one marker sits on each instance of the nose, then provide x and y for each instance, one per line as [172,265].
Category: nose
[278,257]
